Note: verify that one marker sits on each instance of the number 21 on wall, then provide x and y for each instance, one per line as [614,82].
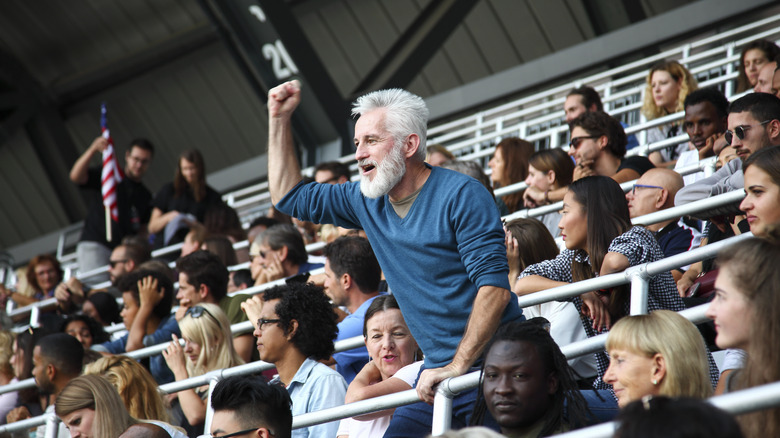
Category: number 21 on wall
[281,62]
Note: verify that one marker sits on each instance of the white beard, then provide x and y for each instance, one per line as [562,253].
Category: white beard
[388,174]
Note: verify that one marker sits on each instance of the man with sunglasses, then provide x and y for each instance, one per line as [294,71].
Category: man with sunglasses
[598,145]
[124,259]
[248,406]
[655,191]
[754,124]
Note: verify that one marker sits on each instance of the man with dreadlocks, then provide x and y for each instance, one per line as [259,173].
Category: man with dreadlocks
[526,382]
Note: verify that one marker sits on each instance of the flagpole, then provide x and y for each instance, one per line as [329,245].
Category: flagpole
[107,210]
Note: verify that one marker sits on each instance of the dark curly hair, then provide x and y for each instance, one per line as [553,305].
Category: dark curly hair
[99,335]
[309,306]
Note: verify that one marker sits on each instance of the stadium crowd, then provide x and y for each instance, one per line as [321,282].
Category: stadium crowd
[419,262]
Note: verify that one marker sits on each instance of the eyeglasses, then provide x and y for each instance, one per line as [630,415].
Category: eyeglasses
[739,131]
[240,432]
[575,141]
[113,263]
[197,311]
[262,321]
[141,161]
[643,186]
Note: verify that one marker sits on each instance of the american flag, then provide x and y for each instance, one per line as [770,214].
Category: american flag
[112,173]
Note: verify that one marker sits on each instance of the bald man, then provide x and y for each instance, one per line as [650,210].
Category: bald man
[655,191]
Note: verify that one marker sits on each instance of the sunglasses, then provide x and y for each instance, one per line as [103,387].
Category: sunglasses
[739,131]
[197,311]
[575,141]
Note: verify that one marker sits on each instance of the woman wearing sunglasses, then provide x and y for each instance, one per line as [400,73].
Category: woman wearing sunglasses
[208,346]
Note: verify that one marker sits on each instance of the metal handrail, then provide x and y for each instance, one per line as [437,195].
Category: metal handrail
[194,382]
[450,387]
[659,216]
[736,403]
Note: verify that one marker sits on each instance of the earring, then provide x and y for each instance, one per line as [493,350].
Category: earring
[655,382]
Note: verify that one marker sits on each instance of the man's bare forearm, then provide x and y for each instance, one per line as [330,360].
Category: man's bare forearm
[284,172]
[485,318]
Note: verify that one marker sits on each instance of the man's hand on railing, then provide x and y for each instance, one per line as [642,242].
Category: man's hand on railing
[430,378]
[594,308]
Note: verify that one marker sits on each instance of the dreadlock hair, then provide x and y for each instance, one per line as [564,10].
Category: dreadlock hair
[567,394]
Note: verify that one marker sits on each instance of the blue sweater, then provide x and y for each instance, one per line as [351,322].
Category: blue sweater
[449,244]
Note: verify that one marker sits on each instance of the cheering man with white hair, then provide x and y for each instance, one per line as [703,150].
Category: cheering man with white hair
[436,233]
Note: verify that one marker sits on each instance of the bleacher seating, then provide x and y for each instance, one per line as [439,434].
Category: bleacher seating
[537,118]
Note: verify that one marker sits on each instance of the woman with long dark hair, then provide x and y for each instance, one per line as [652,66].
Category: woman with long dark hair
[752,58]
[509,165]
[187,194]
[600,240]
[549,169]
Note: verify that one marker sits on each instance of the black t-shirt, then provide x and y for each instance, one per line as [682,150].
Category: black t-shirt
[134,205]
[166,200]
[637,163]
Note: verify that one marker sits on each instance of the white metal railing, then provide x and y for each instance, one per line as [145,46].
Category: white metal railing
[736,403]
[671,213]
[637,276]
